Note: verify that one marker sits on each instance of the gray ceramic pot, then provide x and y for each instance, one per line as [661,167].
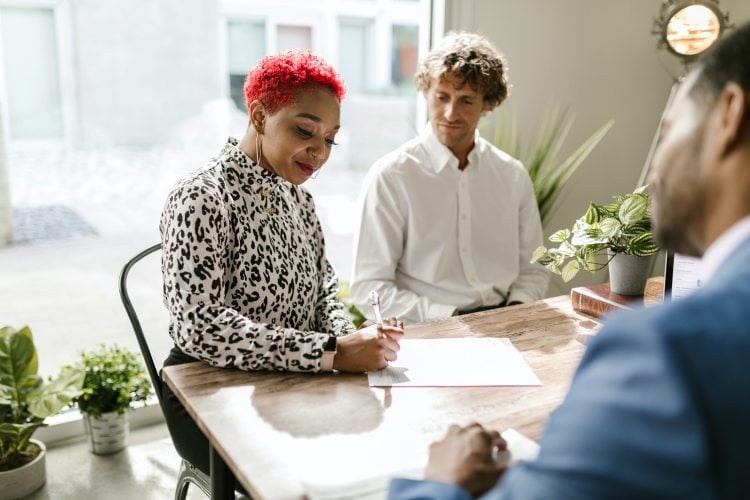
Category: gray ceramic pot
[628,273]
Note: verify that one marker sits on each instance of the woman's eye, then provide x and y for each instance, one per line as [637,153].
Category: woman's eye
[332,142]
[304,133]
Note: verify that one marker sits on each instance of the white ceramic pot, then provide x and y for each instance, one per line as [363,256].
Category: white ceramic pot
[107,433]
[628,273]
[25,480]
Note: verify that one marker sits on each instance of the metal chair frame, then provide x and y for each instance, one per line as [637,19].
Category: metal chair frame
[188,472]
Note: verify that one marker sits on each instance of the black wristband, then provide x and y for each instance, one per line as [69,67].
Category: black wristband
[330,345]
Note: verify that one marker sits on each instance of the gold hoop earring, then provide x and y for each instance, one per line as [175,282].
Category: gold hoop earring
[258,148]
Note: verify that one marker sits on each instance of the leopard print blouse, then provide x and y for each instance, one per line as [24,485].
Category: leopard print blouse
[246,280]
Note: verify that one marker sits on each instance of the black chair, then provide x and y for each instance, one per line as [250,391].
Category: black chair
[188,472]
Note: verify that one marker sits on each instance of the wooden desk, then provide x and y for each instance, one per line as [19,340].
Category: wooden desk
[276,432]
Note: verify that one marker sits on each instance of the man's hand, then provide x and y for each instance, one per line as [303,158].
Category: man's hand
[464,457]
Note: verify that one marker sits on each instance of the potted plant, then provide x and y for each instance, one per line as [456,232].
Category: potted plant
[114,379]
[25,401]
[548,173]
[616,234]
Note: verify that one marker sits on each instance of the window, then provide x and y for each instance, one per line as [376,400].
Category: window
[293,37]
[31,73]
[404,57]
[355,53]
[246,44]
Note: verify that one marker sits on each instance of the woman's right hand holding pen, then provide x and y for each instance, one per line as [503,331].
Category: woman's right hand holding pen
[368,349]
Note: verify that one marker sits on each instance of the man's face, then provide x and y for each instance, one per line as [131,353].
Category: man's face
[454,109]
[680,180]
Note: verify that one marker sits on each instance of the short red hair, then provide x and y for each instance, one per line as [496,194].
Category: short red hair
[276,78]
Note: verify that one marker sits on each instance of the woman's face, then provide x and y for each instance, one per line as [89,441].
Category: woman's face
[297,139]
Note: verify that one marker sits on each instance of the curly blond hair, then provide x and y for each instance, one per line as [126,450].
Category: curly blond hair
[470,58]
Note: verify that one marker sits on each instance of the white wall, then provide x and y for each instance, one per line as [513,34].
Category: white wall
[6,228]
[599,58]
[142,66]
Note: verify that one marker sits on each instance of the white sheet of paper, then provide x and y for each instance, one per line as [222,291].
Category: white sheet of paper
[686,276]
[520,448]
[455,362]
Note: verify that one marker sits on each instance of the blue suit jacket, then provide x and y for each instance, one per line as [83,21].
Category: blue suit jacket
[658,409]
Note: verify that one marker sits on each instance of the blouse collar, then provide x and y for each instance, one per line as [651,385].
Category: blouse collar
[257,178]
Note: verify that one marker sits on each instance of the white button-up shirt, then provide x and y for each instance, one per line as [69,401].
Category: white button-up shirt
[723,246]
[434,239]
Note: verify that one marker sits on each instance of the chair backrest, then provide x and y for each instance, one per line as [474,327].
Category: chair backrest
[127,303]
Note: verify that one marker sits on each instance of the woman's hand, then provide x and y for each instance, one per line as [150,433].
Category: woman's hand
[465,458]
[367,349]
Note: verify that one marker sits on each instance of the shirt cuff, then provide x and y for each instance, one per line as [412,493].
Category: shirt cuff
[413,489]
[440,311]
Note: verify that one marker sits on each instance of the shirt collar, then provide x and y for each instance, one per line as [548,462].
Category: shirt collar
[257,178]
[723,247]
[439,154]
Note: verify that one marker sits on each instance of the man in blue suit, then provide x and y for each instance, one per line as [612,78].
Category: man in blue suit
[660,405]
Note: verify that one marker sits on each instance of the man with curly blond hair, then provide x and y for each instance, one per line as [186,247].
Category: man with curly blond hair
[448,221]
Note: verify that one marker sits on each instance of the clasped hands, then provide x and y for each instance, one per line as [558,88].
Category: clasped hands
[370,348]
[467,457]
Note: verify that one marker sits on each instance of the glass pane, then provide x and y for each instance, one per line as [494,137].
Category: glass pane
[31,73]
[246,44]
[404,57]
[353,53]
[293,37]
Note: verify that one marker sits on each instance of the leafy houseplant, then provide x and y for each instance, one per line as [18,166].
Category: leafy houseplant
[548,174]
[25,401]
[114,379]
[622,227]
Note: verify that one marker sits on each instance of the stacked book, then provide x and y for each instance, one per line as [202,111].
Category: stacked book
[598,300]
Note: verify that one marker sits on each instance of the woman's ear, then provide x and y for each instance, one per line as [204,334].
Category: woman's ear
[258,116]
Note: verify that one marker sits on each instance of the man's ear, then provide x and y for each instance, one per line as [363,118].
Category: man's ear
[733,117]
[258,115]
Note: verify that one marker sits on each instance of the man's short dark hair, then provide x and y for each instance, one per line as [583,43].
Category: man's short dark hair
[728,61]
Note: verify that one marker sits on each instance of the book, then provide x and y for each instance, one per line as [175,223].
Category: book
[599,300]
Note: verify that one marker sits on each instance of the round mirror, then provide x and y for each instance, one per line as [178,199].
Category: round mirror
[692,29]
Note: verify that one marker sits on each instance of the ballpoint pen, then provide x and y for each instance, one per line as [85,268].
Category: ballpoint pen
[375,303]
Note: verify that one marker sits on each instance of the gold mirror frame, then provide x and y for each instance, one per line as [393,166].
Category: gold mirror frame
[698,38]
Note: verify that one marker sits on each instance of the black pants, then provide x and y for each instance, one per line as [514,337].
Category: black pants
[188,439]
[481,308]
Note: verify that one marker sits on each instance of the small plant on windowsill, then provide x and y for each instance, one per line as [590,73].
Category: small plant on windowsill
[115,380]
[601,237]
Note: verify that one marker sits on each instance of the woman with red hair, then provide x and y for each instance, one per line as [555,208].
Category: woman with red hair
[246,279]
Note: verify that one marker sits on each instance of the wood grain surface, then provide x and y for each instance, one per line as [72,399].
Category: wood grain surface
[280,432]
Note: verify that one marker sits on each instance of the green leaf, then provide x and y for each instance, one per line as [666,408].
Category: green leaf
[641,245]
[633,208]
[538,254]
[548,175]
[57,393]
[570,270]
[592,214]
[609,228]
[566,249]
[559,236]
